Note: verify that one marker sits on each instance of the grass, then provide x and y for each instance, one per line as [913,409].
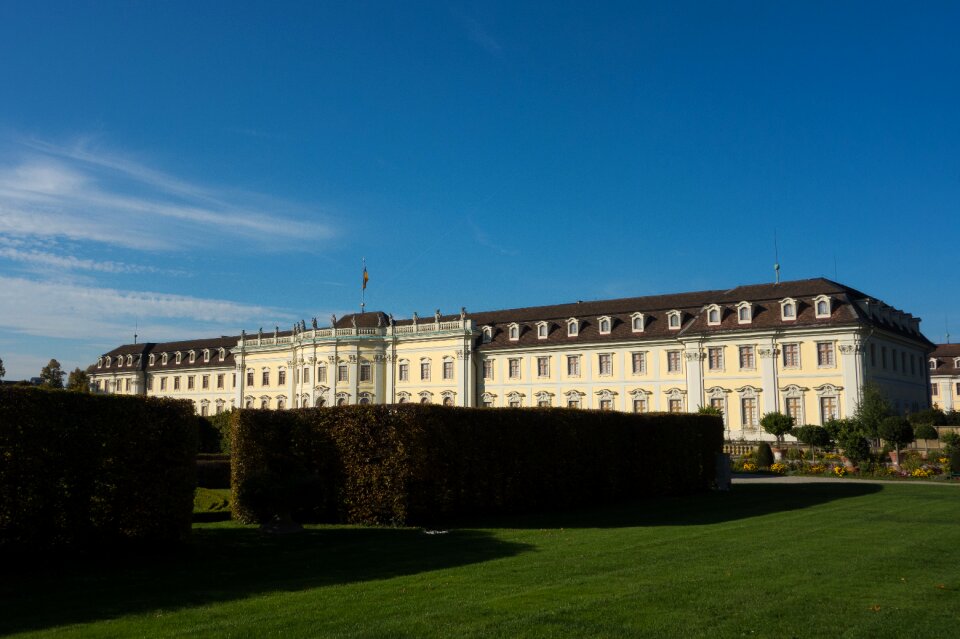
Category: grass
[787,560]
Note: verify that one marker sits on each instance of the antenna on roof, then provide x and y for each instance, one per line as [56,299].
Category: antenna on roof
[946,324]
[836,277]
[776,258]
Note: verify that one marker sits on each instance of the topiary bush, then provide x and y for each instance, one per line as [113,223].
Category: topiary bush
[764,455]
[415,464]
[94,470]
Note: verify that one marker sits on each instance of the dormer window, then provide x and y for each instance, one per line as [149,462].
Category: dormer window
[179,357]
[788,309]
[100,362]
[206,355]
[487,334]
[107,361]
[673,320]
[163,359]
[823,306]
[222,353]
[129,360]
[713,315]
[152,359]
[119,361]
[193,357]
[514,332]
[542,330]
[933,363]
[637,322]
[573,327]
[956,362]
[604,324]
[744,312]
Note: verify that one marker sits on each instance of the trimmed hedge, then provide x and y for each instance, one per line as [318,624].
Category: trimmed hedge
[80,470]
[426,464]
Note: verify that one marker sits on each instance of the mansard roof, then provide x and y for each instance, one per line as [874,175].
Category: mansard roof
[171,348]
[946,355]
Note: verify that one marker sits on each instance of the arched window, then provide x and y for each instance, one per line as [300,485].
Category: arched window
[713,315]
[514,332]
[448,401]
[487,334]
[573,327]
[604,325]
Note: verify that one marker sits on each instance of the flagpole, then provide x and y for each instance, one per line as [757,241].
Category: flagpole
[363,287]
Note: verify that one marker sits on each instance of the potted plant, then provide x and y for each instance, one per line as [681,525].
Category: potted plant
[778,425]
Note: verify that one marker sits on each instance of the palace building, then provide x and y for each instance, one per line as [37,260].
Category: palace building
[945,377]
[804,348]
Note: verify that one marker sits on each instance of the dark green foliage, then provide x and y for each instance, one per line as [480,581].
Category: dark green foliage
[777,424]
[897,431]
[416,464]
[215,433]
[855,447]
[816,436]
[924,431]
[709,410]
[839,429]
[52,374]
[78,381]
[872,410]
[764,455]
[213,471]
[82,470]
[932,416]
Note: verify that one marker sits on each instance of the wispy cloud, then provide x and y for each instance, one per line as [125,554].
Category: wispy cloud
[65,310]
[83,194]
[483,238]
[48,260]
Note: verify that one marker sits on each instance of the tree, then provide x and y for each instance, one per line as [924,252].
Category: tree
[872,409]
[924,431]
[839,429]
[855,447]
[813,436]
[897,431]
[78,381]
[777,424]
[52,374]
[3,371]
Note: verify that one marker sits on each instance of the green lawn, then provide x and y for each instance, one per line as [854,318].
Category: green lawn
[831,560]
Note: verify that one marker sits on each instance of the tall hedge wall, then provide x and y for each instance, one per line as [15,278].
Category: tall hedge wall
[420,464]
[80,470]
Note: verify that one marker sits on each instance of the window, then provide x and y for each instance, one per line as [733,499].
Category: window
[744,312]
[636,322]
[206,355]
[179,357]
[149,383]
[903,361]
[321,373]
[343,373]
[152,359]
[364,401]
[717,404]
[933,364]
[488,369]
[282,376]
[676,405]
[604,324]
[222,353]
[425,370]
[514,332]
[673,361]
[573,402]
[193,357]
[893,358]
[249,378]
[448,370]
[573,328]
[126,384]
[747,362]
[205,382]
[176,383]
[163,360]
[281,403]
[828,409]
[606,404]
[514,403]
[822,306]
[873,355]
[403,371]
[673,320]
[791,355]
[958,388]
[543,403]
[748,412]
[265,378]
[792,406]
[249,404]
[788,310]
[190,384]
[825,354]
[264,404]
[487,334]
[573,365]
[605,364]
[542,330]
[514,366]
[163,383]
[306,374]
[639,405]
[715,358]
[366,373]
[883,356]
[203,410]
[934,389]
[713,315]
[448,401]
[639,362]
[543,367]
[913,364]
[220,380]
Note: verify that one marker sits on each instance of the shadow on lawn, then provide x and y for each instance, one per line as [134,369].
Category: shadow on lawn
[222,564]
[741,502]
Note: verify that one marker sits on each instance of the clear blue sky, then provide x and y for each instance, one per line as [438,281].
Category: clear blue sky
[197,168]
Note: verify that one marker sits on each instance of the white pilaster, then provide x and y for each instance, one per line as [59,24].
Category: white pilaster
[768,378]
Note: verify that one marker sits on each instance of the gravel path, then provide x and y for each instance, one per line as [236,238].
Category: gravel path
[800,479]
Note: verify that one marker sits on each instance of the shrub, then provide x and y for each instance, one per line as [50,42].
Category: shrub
[897,431]
[213,471]
[764,455]
[924,431]
[777,424]
[414,464]
[855,448]
[83,470]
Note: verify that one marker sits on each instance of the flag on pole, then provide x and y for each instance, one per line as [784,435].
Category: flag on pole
[365,278]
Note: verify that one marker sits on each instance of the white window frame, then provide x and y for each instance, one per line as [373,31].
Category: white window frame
[816,306]
[714,308]
[543,330]
[573,327]
[674,320]
[604,325]
[788,302]
[642,357]
[601,358]
[513,332]
[637,322]
[543,359]
[748,307]
[487,334]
